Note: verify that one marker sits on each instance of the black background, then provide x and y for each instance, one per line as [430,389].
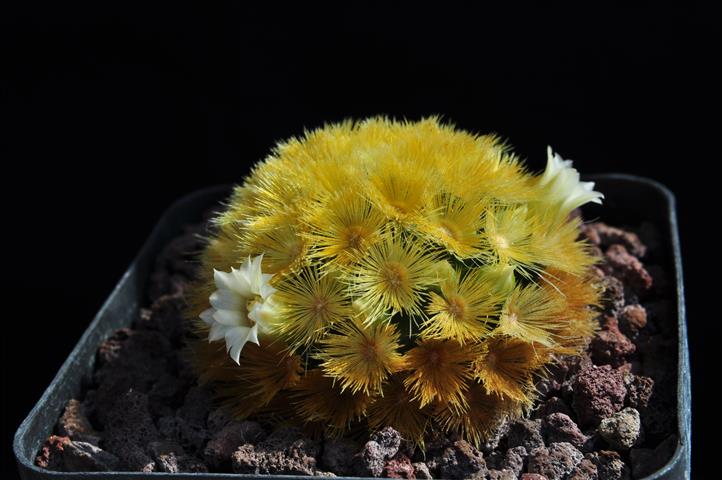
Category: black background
[111,112]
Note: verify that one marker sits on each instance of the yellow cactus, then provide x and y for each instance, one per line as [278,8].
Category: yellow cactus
[393,273]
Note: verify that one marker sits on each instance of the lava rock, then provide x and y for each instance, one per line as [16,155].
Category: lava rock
[598,393]
[86,457]
[135,459]
[609,465]
[74,423]
[128,360]
[646,461]
[421,471]
[639,390]
[558,427]
[604,235]
[165,315]
[554,462]
[514,460]
[190,421]
[383,445]
[388,439]
[609,346]
[525,433]
[221,446]
[612,294]
[171,458]
[218,418]
[167,394]
[586,470]
[627,268]
[622,430]
[285,452]
[129,429]
[370,461]
[501,475]
[461,460]
[399,467]
[632,319]
[554,405]
[338,455]
[51,454]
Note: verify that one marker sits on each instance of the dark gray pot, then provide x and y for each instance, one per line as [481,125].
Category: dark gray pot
[629,200]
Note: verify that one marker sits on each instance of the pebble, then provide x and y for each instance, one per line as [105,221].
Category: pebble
[622,430]
[554,462]
[598,392]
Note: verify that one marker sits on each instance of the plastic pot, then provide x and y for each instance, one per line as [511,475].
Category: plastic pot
[629,200]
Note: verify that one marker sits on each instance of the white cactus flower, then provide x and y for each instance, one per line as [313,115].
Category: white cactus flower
[562,183]
[241,307]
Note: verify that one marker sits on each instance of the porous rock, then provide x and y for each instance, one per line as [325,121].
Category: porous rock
[129,428]
[609,465]
[421,471]
[285,452]
[86,457]
[399,467]
[338,455]
[622,430]
[514,460]
[585,470]
[558,427]
[222,444]
[620,263]
[610,345]
[554,462]
[461,460]
[525,433]
[74,423]
[603,235]
[632,319]
[51,453]
[639,390]
[598,392]
[383,445]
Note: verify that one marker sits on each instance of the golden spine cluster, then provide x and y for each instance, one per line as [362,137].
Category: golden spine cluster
[422,277]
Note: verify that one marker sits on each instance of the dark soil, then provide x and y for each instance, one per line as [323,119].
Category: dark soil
[607,415]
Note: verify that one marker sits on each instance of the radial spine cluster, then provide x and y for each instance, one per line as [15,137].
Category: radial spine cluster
[394,273]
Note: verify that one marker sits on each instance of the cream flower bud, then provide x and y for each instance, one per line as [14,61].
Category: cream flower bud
[241,307]
[562,185]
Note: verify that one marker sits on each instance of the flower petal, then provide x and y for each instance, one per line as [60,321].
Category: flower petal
[207,316]
[223,280]
[230,318]
[217,332]
[266,289]
[225,300]
[236,338]
[242,282]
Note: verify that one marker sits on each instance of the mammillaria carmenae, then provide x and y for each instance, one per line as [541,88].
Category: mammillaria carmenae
[393,273]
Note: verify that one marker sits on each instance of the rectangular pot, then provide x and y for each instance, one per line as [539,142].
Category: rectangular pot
[629,200]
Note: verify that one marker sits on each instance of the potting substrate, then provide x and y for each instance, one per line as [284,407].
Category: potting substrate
[608,414]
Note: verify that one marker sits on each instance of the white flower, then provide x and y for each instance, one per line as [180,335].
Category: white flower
[563,187]
[241,307]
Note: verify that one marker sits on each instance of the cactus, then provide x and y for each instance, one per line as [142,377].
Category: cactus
[393,273]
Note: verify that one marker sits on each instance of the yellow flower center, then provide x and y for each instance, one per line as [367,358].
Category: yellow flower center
[354,235]
[395,276]
[319,307]
[249,306]
[456,306]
